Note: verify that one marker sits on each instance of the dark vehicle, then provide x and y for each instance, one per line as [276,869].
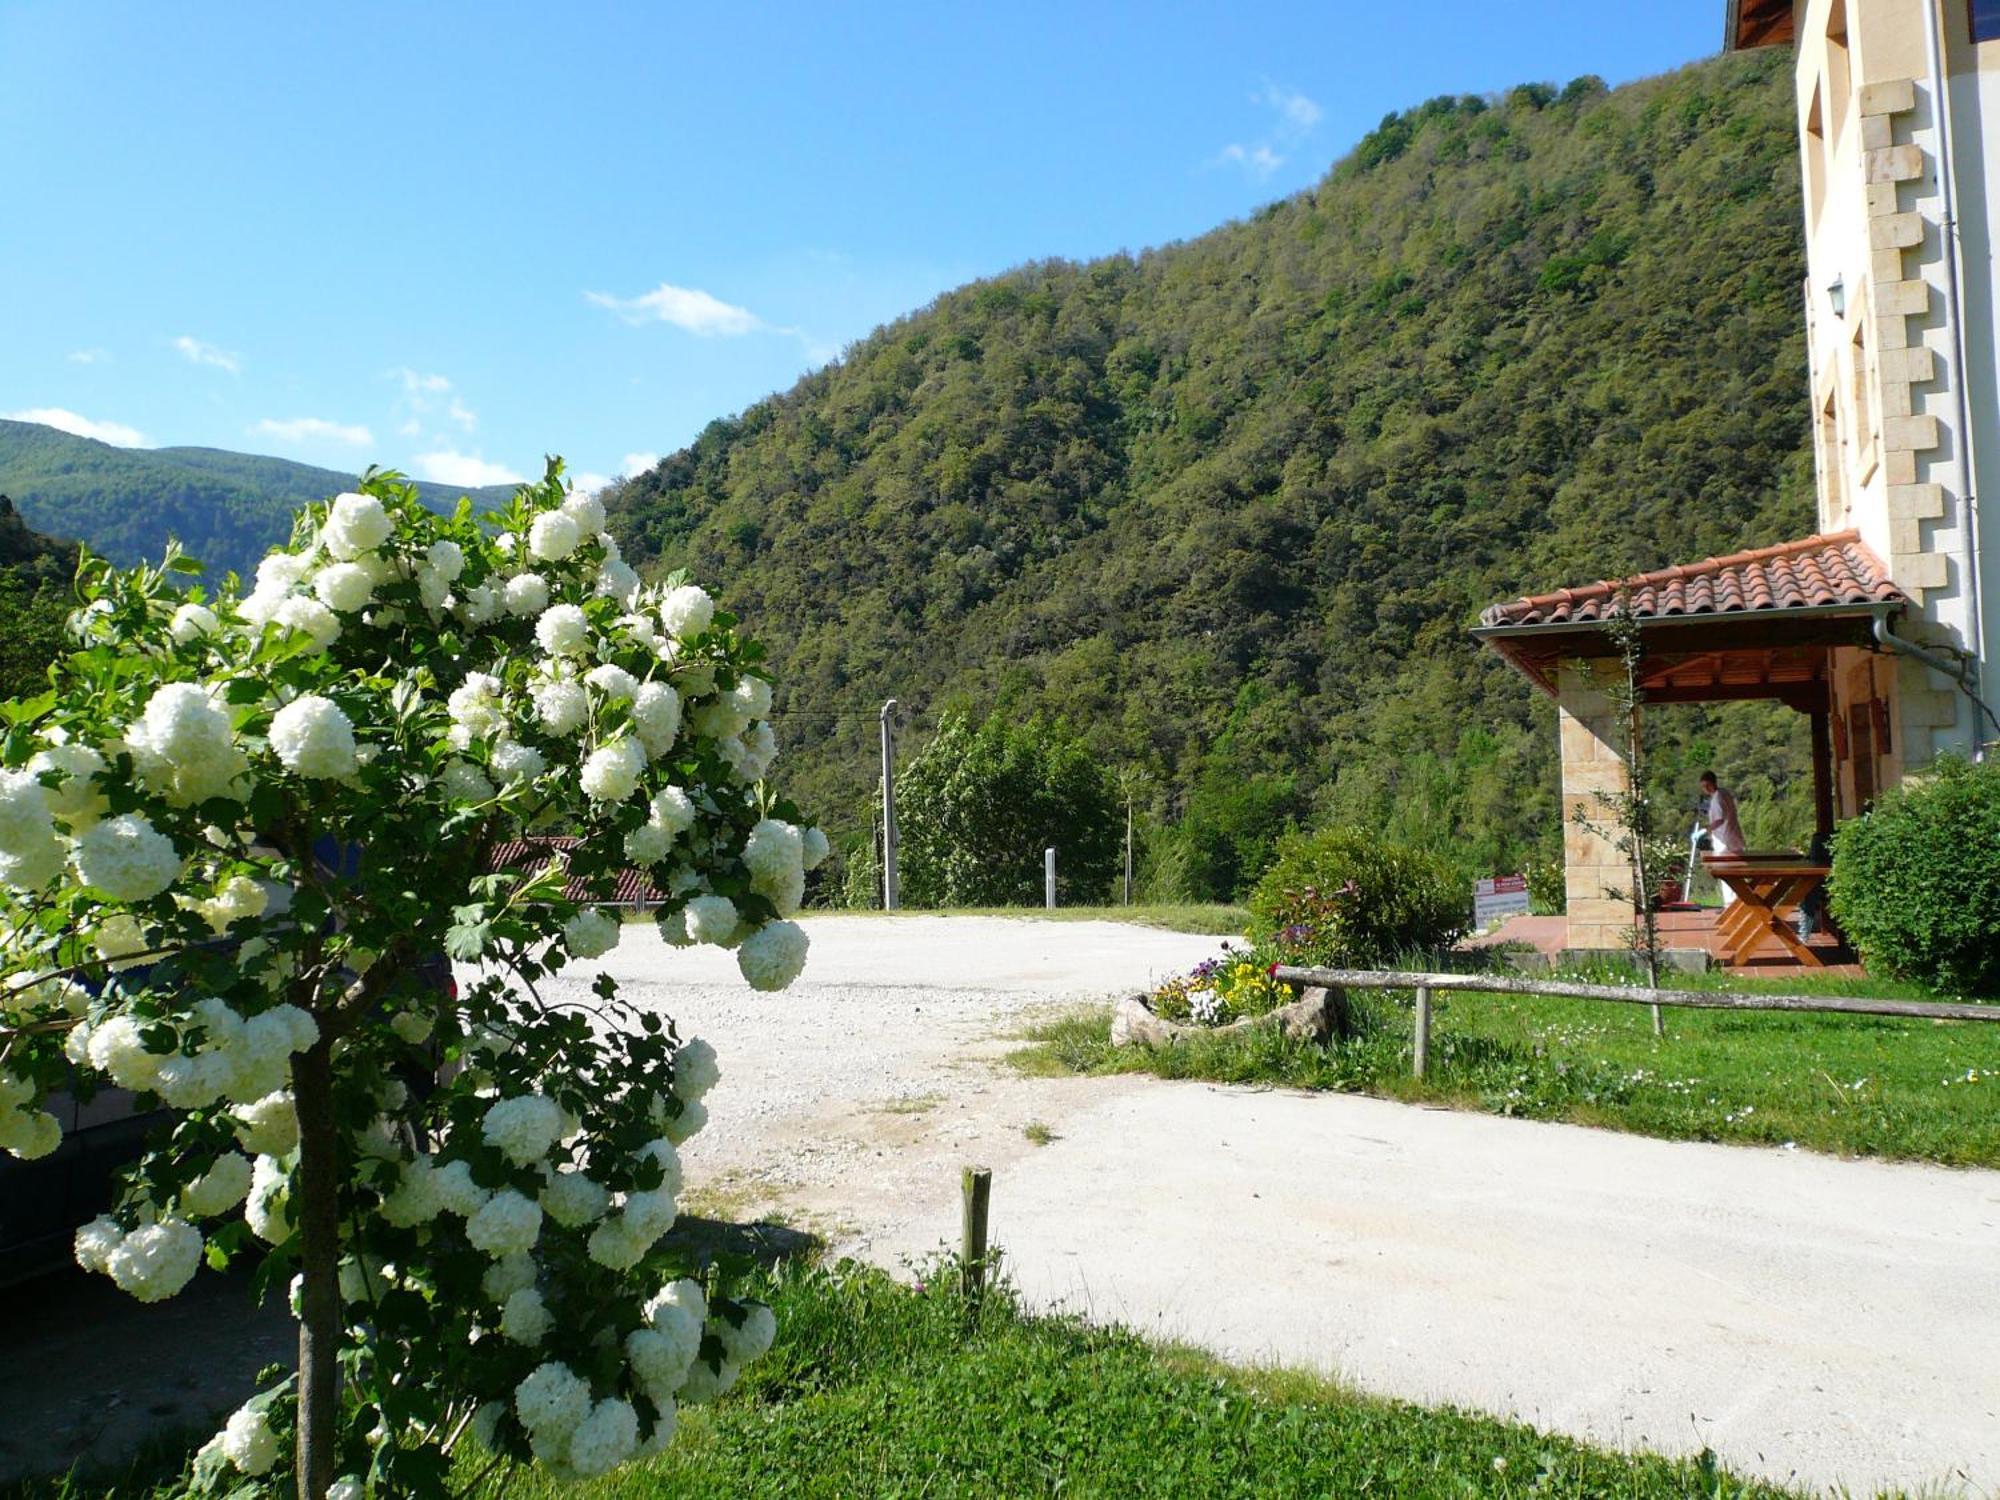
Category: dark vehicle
[44,1202]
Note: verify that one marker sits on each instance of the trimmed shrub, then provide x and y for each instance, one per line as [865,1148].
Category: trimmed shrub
[1344,898]
[1916,882]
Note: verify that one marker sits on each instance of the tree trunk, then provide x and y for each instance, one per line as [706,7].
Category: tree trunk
[317,1211]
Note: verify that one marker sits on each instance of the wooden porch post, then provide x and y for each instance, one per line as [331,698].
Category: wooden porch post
[1822,766]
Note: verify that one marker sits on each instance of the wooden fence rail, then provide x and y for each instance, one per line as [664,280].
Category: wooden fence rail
[1425,985]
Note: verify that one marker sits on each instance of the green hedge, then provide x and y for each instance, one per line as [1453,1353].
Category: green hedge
[1916,882]
[1342,896]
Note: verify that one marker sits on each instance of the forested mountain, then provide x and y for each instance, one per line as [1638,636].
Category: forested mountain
[1230,506]
[28,555]
[226,508]
[35,575]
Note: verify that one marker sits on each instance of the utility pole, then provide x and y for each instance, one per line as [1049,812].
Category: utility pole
[1130,782]
[1128,846]
[889,806]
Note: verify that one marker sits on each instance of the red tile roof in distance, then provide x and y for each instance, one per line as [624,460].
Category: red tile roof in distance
[633,889]
[1756,23]
[1817,573]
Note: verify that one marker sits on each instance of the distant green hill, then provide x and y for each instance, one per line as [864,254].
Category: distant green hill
[35,574]
[29,555]
[1231,505]
[226,508]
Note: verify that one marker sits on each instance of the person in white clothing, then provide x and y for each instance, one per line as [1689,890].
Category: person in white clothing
[1725,833]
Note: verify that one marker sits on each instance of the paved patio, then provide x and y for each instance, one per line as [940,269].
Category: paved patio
[1680,927]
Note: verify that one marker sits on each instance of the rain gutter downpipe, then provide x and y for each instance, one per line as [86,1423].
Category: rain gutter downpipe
[1963,674]
[1968,499]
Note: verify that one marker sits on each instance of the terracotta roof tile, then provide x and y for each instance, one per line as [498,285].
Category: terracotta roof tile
[1815,573]
[633,889]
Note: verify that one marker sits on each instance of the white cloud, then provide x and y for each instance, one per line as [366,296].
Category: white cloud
[196,352]
[587,483]
[416,384]
[89,356]
[637,463]
[115,433]
[469,470]
[315,429]
[1296,117]
[410,428]
[1296,113]
[1259,160]
[685,307]
[464,415]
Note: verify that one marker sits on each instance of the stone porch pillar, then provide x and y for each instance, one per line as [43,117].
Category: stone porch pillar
[1592,767]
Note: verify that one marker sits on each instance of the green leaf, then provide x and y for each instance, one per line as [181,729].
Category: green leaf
[468,941]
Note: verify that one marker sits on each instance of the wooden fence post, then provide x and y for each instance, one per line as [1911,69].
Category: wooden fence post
[976,1189]
[1423,1050]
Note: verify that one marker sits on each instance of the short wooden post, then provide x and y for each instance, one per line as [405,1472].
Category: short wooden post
[976,1189]
[1423,1049]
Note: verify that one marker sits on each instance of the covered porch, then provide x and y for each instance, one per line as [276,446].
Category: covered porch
[1793,624]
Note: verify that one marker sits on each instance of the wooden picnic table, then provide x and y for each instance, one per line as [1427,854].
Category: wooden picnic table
[1769,889]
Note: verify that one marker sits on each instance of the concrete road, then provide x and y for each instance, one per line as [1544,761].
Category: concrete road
[1835,1323]
[89,1375]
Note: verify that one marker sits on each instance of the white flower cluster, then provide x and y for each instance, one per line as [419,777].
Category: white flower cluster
[25,1131]
[151,1263]
[126,858]
[773,956]
[696,1069]
[576,1435]
[241,1059]
[185,747]
[237,899]
[267,1209]
[312,738]
[248,1443]
[531,677]
[506,1224]
[669,815]
[31,855]
[524,1128]
[591,934]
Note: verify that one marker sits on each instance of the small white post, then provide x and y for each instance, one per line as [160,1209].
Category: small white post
[1049,877]
[1423,1049]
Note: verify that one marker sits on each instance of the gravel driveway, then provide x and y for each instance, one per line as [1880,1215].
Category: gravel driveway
[1825,1321]
[1829,1322]
[848,1101]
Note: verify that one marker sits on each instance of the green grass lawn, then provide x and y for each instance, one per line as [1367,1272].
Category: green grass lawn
[1855,1085]
[1204,921]
[875,1389]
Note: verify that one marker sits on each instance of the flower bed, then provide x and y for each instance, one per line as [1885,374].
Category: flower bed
[1231,987]
[1232,992]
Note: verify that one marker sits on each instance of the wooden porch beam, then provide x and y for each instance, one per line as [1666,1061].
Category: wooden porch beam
[1806,697]
[1822,767]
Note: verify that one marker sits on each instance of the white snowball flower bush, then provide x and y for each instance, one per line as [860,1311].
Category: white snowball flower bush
[237,837]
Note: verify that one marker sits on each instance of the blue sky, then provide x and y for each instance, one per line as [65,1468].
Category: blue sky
[453,237]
